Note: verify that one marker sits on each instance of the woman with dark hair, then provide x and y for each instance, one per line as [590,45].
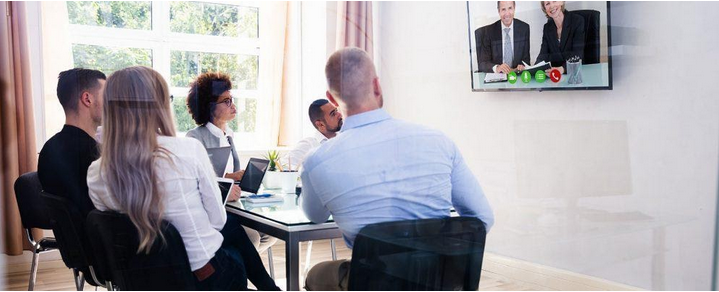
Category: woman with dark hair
[563,36]
[212,107]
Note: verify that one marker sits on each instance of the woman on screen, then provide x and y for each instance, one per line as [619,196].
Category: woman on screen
[563,36]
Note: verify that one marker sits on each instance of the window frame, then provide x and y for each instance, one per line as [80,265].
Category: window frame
[161,41]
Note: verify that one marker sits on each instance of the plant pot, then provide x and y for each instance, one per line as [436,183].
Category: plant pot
[281,180]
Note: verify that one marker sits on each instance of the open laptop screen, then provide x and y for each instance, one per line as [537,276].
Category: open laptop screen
[254,172]
[225,188]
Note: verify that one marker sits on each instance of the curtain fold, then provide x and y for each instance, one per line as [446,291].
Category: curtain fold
[291,79]
[17,129]
[283,77]
[354,26]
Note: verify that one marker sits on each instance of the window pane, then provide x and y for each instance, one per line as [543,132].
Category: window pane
[185,66]
[117,14]
[182,114]
[246,115]
[248,22]
[213,19]
[109,59]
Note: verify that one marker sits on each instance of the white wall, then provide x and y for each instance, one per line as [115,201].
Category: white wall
[660,126]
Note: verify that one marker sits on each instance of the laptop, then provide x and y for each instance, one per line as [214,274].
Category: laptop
[219,157]
[254,173]
[225,188]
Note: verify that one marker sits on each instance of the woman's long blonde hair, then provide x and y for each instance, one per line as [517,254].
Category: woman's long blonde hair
[136,110]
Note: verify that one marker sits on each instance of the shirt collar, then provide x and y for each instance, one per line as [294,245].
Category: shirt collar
[320,137]
[365,118]
[215,130]
[511,26]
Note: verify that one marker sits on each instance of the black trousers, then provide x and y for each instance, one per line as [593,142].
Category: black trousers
[236,238]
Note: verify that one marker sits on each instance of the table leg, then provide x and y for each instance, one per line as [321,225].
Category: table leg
[292,264]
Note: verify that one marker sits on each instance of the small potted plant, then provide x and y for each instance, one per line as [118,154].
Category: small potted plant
[277,176]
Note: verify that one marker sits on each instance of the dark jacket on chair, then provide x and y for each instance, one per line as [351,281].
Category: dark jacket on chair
[572,41]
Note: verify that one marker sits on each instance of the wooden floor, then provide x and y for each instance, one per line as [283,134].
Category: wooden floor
[53,275]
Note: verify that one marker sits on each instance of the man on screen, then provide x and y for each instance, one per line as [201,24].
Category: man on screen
[503,45]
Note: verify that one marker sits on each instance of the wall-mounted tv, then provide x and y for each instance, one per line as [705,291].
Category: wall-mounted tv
[539,45]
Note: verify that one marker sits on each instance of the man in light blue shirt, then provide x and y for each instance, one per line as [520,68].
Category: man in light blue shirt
[379,169]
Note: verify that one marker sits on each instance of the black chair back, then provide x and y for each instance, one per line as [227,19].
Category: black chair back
[68,226]
[591,35]
[32,211]
[419,255]
[166,267]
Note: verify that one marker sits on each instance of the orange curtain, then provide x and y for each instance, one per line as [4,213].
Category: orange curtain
[17,130]
[354,25]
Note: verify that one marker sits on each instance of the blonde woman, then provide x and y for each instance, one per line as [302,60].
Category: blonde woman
[150,175]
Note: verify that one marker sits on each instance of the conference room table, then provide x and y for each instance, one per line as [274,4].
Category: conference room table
[285,221]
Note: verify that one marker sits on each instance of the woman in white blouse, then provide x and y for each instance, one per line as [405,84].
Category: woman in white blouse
[151,175]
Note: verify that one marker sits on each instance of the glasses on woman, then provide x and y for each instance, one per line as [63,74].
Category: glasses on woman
[228,102]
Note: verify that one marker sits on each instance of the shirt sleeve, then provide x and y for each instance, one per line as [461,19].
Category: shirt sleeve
[209,190]
[467,195]
[313,207]
[298,154]
[96,186]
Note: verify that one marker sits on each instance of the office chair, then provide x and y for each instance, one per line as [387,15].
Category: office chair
[591,35]
[68,225]
[166,267]
[33,215]
[420,255]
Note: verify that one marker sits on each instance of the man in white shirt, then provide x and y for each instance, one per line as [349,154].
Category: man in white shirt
[327,119]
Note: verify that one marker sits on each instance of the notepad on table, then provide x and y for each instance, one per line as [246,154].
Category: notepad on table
[264,198]
[495,77]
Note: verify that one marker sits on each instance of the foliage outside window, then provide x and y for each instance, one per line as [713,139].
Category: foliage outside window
[111,35]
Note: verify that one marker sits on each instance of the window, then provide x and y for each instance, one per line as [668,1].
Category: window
[180,40]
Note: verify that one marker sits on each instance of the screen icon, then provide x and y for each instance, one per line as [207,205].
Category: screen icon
[512,77]
[540,76]
[526,76]
[555,76]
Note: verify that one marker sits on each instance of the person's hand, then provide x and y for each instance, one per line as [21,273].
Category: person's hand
[504,68]
[236,176]
[235,193]
[520,67]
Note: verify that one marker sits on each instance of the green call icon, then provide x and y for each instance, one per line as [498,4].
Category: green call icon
[540,76]
[526,76]
[512,77]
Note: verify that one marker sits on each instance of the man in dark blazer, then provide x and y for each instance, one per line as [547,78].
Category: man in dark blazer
[492,41]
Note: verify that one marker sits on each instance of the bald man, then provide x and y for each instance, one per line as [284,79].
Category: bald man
[385,169]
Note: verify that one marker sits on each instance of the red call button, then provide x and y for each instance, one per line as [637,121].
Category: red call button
[555,76]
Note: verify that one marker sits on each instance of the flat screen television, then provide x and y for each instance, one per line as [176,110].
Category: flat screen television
[518,46]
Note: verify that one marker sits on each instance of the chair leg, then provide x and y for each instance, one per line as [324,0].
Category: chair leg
[271,263]
[33,268]
[79,279]
[307,258]
[108,286]
[334,249]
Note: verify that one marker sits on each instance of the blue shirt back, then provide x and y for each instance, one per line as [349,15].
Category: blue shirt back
[380,169]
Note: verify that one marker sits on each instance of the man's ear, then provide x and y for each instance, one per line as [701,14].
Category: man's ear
[376,87]
[86,99]
[332,99]
[319,125]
